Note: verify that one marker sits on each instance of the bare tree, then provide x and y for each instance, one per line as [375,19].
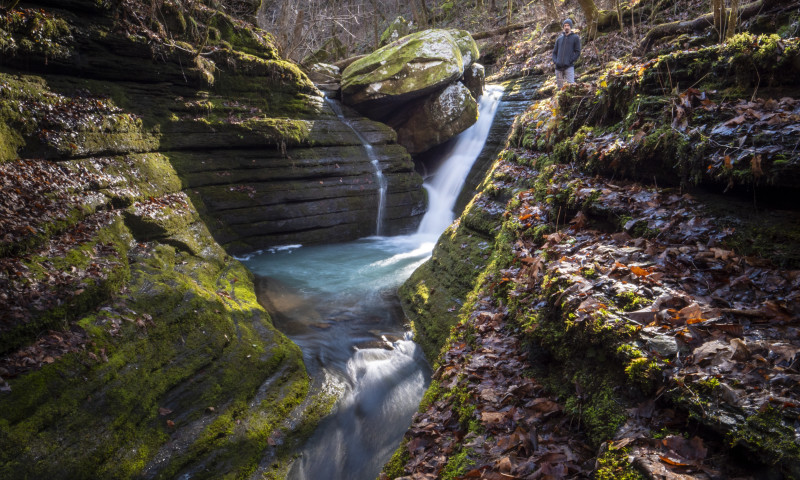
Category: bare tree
[592,14]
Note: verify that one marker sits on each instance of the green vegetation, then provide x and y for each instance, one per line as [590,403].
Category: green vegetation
[772,438]
[457,465]
[613,464]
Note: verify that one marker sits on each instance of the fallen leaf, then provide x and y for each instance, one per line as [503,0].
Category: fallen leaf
[736,121]
[670,461]
[639,271]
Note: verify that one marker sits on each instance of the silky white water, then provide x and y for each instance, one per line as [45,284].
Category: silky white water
[339,304]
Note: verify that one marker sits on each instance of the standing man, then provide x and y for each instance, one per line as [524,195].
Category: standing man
[566,53]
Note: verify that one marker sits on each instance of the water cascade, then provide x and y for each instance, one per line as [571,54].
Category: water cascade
[382,184]
[446,184]
[339,304]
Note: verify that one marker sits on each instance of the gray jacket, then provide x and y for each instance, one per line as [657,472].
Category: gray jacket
[566,51]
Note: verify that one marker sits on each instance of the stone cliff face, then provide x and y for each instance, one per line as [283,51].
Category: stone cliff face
[212,113]
[320,188]
[131,343]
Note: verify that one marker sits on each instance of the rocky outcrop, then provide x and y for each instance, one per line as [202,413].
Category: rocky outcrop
[416,85]
[475,79]
[307,193]
[436,119]
[407,69]
[131,343]
[396,30]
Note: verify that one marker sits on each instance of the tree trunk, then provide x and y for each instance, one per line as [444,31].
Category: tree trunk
[420,12]
[592,15]
[718,9]
[551,10]
[426,14]
[619,15]
[504,30]
[733,19]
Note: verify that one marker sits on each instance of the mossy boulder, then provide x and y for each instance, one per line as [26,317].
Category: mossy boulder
[438,118]
[466,46]
[396,30]
[333,49]
[324,73]
[405,70]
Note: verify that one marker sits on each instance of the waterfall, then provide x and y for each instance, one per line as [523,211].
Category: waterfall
[337,303]
[446,183]
[382,183]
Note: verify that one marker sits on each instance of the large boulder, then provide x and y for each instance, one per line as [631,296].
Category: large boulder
[333,49]
[396,30]
[475,79]
[466,45]
[410,68]
[437,118]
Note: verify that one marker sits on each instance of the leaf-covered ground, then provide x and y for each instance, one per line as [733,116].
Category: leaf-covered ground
[634,320]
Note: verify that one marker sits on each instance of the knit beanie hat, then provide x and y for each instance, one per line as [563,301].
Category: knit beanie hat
[567,21]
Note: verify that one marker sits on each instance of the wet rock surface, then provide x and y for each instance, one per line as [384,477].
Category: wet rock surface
[436,119]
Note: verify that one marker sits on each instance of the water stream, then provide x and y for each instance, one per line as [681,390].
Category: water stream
[372,158]
[339,304]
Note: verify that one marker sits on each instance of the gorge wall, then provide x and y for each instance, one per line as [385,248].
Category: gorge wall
[135,145]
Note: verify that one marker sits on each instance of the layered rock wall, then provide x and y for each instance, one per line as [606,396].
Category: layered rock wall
[131,146]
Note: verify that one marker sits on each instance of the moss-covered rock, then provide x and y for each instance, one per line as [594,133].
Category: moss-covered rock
[132,343]
[410,68]
[466,45]
[396,30]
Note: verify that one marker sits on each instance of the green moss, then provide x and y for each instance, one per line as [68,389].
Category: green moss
[589,272]
[460,398]
[629,301]
[433,392]
[35,32]
[457,465]
[395,467]
[613,464]
[644,373]
[93,291]
[391,62]
[434,294]
[10,142]
[707,385]
[774,440]
[203,350]
[628,352]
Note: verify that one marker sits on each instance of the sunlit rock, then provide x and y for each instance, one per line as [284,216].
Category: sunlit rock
[410,68]
[466,46]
